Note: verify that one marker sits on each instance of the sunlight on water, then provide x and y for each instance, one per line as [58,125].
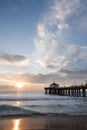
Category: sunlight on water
[18,103]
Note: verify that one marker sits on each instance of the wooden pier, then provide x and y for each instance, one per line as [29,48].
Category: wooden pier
[77,91]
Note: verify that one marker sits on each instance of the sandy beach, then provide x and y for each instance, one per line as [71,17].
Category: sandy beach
[44,122]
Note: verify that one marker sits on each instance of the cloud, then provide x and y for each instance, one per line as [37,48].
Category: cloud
[41,30]
[63,26]
[35,81]
[75,74]
[27,78]
[51,66]
[52,51]
[56,53]
[17,60]
[63,8]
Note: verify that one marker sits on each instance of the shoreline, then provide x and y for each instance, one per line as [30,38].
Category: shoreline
[42,114]
[44,122]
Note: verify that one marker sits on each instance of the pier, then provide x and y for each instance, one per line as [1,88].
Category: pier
[76,91]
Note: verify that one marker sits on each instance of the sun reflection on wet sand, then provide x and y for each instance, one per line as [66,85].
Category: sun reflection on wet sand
[16,124]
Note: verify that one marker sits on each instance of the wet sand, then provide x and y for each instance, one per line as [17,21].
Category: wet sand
[44,122]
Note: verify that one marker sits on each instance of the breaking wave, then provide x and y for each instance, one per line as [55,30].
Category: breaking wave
[8,110]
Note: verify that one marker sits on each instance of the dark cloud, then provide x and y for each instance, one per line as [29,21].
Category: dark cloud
[75,74]
[7,59]
[51,66]
[64,77]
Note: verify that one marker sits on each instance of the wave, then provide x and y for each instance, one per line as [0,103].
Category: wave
[20,99]
[31,99]
[8,110]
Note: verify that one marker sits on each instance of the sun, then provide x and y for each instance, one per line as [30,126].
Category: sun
[19,85]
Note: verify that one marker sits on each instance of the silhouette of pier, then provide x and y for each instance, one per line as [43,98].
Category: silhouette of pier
[77,91]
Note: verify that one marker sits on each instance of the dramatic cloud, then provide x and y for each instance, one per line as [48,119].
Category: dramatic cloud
[17,60]
[58,52]
[52,51]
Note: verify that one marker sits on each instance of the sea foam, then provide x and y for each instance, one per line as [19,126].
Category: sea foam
[8,110]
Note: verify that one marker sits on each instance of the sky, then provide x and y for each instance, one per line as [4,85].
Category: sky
[42,41]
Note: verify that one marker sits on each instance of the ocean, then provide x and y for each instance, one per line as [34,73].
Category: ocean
[30,102]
